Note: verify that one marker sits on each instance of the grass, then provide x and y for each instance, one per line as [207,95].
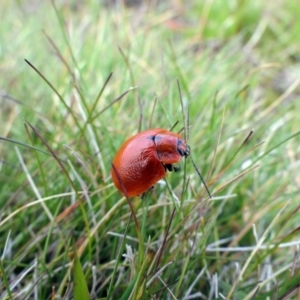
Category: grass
[66,232]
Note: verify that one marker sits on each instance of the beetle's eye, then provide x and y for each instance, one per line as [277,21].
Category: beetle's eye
[180,151]
[182,148]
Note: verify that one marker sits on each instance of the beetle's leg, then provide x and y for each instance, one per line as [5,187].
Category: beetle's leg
[147,192]
[171,167]
[176,168]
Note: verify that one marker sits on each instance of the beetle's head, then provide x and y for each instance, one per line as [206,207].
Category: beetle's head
[182,148]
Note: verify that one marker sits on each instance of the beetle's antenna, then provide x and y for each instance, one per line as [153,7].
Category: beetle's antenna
[203,181]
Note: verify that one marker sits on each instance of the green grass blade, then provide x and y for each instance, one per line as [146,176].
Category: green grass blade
[80,291]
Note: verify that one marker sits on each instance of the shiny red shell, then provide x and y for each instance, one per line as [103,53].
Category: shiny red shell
[143,159]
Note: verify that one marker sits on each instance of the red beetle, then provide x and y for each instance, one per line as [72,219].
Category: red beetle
[144,158]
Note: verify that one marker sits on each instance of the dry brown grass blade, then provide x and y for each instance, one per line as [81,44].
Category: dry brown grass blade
[164,241]
[60,56]
[137,225]
[53,154]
